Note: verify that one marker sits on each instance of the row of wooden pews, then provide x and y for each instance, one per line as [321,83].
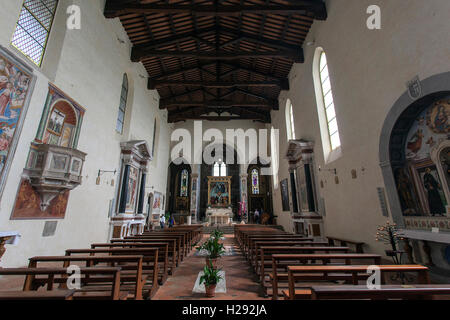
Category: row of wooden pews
[297,267]
[124,269]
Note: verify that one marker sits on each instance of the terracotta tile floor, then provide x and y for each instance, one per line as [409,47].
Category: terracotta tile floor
[241,284]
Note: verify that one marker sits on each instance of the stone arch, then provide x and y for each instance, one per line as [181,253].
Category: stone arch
[433,88]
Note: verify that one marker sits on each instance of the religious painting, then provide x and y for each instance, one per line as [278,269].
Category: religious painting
[219,191]
[28,204]
[132,189]
[431,188]
[16,86]
[285,195]
[157,201]
[56,122]
[423,180]
[184,183]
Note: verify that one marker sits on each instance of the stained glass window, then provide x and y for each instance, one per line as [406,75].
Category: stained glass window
[184,183]
[33,28]
[255,181]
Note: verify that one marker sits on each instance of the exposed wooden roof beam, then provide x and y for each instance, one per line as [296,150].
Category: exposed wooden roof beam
[224,55]
[213,104]
[116,8]
[284,85]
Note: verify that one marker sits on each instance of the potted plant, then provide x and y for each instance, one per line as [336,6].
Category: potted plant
[210,277]
[217,234]
[214,250]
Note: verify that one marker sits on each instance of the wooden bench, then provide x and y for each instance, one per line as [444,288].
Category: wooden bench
[248,248]
[183,243]
[172,252]
[37,295]
[327,273]
[263,258]
[386,292]
[31,274]
[150,265]
[130,282]
[278,277]
[343,242]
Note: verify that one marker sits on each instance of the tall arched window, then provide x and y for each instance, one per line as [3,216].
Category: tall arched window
[274,155]
[325,99]
[122,105]
[255,181]
[184,183]
[290,128]
[219,169]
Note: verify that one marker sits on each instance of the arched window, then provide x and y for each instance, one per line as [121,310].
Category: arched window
[325,99]
[184,183]
[290,128]
[255,181]
[122,105]
[274,155]
[219,169]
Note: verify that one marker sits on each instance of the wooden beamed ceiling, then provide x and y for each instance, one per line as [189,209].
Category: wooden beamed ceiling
[218,60]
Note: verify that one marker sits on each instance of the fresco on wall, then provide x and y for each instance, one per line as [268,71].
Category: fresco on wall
[28,204]
[420,182]
[15,89]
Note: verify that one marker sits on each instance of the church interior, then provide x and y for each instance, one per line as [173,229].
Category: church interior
[224,150]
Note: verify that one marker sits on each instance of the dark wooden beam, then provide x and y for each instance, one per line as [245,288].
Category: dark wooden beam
[183,70]
[224,55]
[213,104]
[284,85]
[178,118]
[114,8]
[238,67]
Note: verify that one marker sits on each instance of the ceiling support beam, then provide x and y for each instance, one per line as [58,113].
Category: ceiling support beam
[284,85]
[114,8]
[213,104]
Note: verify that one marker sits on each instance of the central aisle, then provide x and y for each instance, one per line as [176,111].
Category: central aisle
[241,284]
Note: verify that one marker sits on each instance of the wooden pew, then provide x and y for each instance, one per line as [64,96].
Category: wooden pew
[386,292]
[176,241]
[133,282]
[172,252]
[249,244]
[182,238]
[150,264]
[278,277]
[263,258]
[327,273]
[37,295]
[32,274]
[342,242]
[287,243]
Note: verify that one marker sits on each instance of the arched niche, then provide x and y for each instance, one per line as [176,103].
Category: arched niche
[410,145]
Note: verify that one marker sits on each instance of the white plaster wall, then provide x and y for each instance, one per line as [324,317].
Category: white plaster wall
[369,69]
[88,65]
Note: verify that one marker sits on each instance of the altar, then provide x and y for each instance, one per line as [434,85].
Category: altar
[217,216]
[219,201]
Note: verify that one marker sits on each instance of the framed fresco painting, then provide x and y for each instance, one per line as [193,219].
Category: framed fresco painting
[219,191]
[16,86]
[132,189]
[285,195]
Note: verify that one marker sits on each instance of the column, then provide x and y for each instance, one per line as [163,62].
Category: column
[124,189]
[140,208]
[195,186]
[244,196]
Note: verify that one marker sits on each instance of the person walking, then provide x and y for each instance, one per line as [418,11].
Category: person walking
[256,216]
[162,221]
[171,221]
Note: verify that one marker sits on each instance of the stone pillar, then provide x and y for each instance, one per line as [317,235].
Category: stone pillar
[140,208]
[195,187]
[124,191]
[244,195]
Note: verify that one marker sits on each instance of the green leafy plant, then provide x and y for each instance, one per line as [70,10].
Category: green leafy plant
[217,234]
[210,276]
[213,247]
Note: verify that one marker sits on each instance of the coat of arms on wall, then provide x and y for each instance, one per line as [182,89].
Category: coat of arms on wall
[414,88]
[16,86]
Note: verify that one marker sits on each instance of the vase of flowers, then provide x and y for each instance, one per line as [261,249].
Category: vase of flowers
[214,250]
